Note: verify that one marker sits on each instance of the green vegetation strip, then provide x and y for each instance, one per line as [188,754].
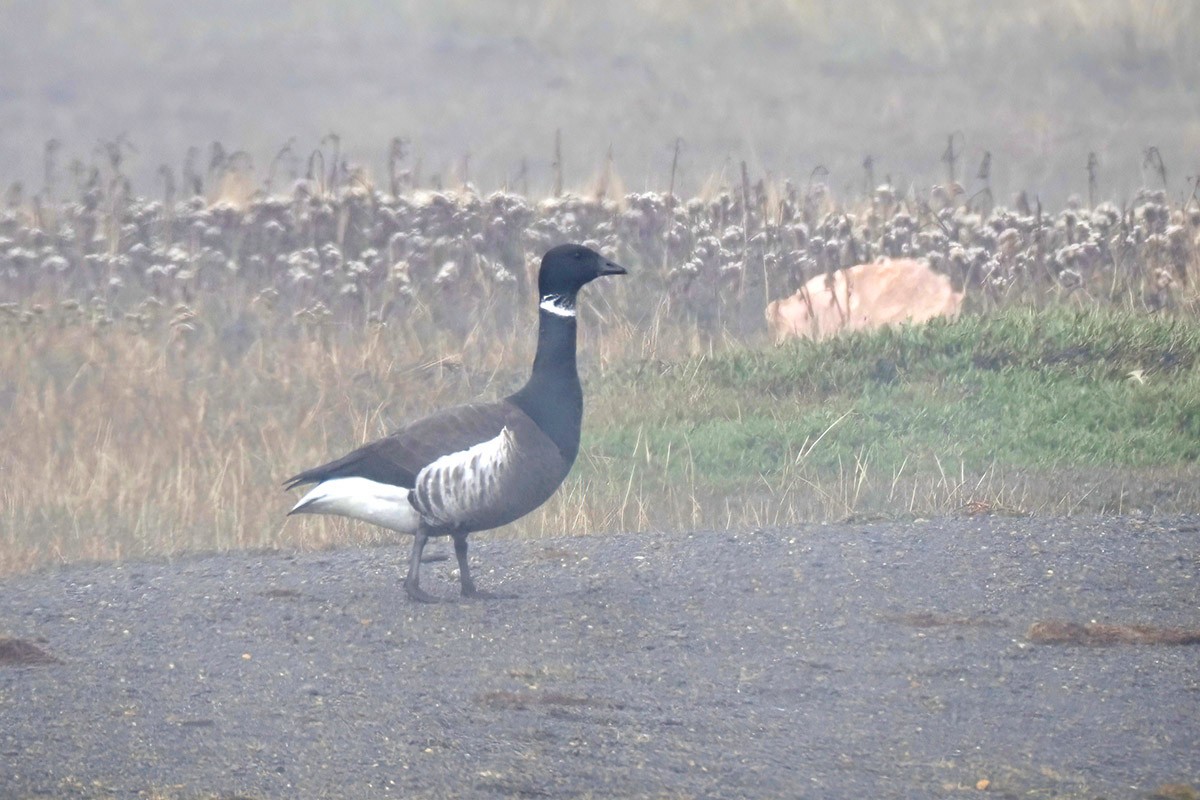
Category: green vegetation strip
[120,445]
[1017,389]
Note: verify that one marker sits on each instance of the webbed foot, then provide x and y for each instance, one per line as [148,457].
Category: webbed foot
[419,595]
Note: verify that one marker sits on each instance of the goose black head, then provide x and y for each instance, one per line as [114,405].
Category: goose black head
[566,268]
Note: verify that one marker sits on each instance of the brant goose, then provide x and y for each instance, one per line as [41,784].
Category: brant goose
[479,466]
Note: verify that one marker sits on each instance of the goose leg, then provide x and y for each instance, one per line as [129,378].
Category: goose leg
[464,573]
[412,582]
[464,569]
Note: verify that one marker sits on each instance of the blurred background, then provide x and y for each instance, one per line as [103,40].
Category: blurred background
[479,90]
[224,256]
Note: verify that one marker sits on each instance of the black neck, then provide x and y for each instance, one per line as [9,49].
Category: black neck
[552,397]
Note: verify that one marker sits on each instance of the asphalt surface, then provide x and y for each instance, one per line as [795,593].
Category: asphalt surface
[856,661]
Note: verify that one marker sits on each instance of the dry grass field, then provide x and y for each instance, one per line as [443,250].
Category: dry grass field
[228,251]
[166,365]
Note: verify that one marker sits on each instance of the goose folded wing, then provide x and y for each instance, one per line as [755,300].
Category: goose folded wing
[398,459]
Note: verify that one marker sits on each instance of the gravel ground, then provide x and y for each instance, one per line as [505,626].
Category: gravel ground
[857,661]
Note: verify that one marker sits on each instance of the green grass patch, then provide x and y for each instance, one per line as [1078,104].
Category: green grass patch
[1090,344]
[1015,393]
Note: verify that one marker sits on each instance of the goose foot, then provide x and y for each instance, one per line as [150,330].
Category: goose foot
[417,594]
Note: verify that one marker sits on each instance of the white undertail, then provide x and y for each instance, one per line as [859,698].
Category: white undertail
[378,503]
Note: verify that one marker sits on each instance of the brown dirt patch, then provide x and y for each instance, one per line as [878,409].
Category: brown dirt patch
[20,652]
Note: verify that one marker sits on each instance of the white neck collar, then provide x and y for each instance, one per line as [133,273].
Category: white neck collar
[560,305]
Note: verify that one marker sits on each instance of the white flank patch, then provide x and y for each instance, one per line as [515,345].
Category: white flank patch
[458,486]
[558,305]
[378,503]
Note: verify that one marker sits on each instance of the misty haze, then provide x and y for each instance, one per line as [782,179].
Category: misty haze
[715,399]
